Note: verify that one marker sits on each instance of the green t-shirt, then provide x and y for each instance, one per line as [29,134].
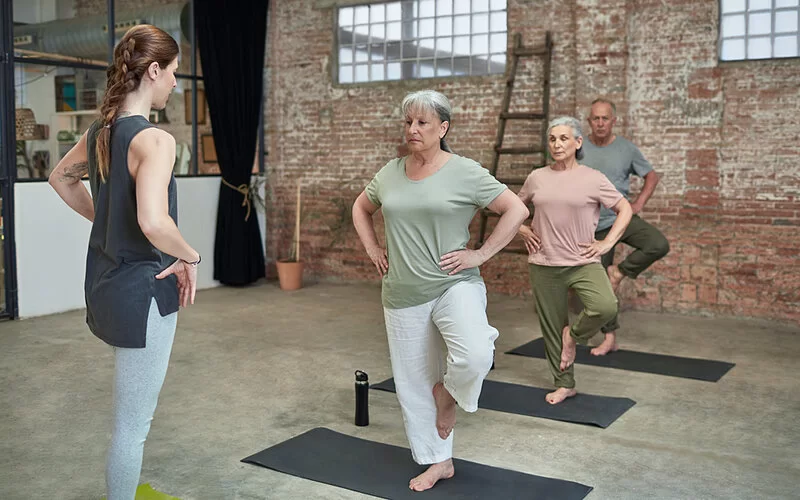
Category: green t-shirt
[424,220]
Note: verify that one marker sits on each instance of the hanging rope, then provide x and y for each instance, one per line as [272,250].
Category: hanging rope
[244,189]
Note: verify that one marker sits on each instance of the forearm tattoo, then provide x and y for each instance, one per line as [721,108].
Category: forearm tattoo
[74,172]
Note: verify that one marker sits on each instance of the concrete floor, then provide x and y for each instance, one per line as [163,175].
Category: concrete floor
[252,367]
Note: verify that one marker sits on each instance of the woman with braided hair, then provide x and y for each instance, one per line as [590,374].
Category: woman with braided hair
[139,269]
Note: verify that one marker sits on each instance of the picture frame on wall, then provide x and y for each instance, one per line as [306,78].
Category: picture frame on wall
[201,106]
[208,148]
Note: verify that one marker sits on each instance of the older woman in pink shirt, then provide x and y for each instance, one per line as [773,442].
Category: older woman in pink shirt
[562,251]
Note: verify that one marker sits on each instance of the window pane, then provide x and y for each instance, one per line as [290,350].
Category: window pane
[786,3]
[480,66]
[461,7]
[786,46]
[497,4]
[461,45]
[346,55]
[376,13]
[444,7]
[480,23]
[498,21]
[461,65]
[760,24]
[425,69]
[498,43]
[409,30]
[461,25]
[786,21]
[393,71]
[480,44]
[393,31]
[377,72]
[733,6]
[759,48]
[427,28]
[207,163]
[345,74]
[444,26]
[427,8]
[444,67]
[376,52]
[732,50]
[362,73]
[346,16]
[378,32]
[759,4]
[362,15]
[444,45]
[361,53]
[733,26]
[44,30]
[480,5]
[393,51]
[361,31]
[426,46]
[409,50]
[498,63]
[393,12]
[54,107]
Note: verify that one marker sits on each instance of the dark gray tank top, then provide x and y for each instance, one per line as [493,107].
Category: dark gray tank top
[121,263]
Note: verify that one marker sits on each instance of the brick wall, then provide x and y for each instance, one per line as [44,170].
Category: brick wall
[723,137]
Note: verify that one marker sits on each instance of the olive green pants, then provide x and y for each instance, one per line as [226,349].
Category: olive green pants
[650,245]
[550,286]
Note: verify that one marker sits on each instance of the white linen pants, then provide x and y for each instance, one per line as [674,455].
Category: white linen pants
[457,317]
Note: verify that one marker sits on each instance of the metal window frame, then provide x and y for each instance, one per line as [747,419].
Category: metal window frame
[409,25]
[772,35]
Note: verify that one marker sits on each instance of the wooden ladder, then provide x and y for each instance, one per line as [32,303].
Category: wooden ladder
[519,51]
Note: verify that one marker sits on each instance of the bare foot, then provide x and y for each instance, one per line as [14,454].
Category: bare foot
[445,411]
[615,276]
[560,395]
[426,480]
[567,349]
[608,345]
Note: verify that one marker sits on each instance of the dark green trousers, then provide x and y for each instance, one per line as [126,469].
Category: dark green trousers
[650,245]
[550,286]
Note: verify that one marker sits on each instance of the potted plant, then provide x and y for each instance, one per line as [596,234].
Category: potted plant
[290,271]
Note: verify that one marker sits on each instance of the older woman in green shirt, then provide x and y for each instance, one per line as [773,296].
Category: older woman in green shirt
[432,289]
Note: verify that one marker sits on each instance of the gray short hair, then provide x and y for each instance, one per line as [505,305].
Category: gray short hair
[432,101]
[572,123]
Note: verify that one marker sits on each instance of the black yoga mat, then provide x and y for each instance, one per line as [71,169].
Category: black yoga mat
[384,470]
[601,411]
[660,364]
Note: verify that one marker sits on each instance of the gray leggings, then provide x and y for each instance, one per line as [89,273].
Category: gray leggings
[138,377]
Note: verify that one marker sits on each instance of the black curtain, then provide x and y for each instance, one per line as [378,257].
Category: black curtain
[231,38]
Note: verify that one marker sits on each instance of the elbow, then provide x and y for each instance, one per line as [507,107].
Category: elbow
[151,227]
[522,211]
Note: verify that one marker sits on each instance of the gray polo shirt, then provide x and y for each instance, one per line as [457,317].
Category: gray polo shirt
[617,161]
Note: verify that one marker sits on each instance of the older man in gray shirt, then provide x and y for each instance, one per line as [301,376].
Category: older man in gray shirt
[618,159]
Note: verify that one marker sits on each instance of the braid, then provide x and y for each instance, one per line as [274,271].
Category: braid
[123,76]
[122,80]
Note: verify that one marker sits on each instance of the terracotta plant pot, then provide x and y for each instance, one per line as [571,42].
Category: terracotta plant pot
[290,274]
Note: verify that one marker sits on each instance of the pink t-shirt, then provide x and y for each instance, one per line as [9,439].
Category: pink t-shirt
[566,210]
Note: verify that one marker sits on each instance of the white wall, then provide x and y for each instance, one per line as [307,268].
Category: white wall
[51,242]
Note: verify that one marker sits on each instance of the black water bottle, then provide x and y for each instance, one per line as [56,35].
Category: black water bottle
[362,399]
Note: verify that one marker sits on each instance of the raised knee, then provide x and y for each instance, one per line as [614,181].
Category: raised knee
[661,248]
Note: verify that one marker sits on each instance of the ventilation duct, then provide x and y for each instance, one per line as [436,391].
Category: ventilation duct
[87,37]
